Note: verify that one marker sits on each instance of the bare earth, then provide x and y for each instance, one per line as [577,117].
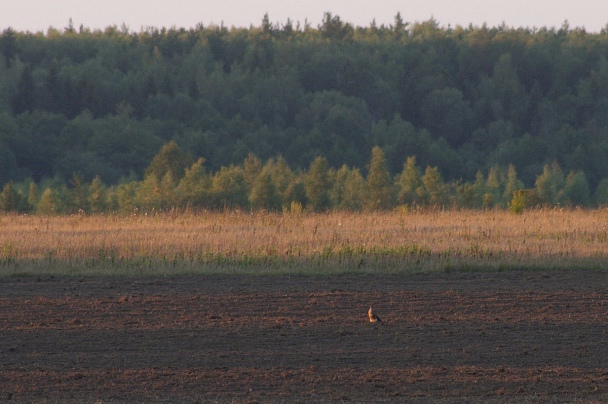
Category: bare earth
[459,337]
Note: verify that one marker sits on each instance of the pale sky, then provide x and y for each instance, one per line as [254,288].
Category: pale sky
[39,15]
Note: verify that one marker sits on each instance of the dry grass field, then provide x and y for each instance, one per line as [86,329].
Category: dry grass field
[262,243]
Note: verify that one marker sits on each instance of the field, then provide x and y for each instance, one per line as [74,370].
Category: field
[289,244]
[477,307]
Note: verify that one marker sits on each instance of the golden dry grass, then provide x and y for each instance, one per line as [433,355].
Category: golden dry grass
[392,242]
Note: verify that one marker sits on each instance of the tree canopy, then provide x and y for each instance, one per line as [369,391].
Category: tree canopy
[462,100]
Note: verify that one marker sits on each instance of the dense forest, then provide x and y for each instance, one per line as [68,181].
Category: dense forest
[506,108]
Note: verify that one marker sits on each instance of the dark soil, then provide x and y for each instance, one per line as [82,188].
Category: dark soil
[459,337]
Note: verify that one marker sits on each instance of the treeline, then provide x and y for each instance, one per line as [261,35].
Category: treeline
[461,99]
[173,181]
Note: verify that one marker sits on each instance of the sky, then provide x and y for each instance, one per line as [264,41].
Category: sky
[39,15]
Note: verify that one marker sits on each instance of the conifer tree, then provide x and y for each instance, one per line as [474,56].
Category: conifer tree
[296,193]
[167,195]
[252,167]
[434,191]
[550,184]
[601,193]
[512,184]
[32,195]
[49,203]
[408,182]
[282,175]
[336,194]
[124,197]
[380,194]
[348,191]
[194,188]
[479,190]
[264,194]
[230,188]
[494,184]
[148,194]
[317,185]
[170,158]
[10,199]
[97,196]
[354,191]
[78,194]
[576,190]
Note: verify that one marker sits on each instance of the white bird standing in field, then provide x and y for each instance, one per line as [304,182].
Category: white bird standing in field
[373,317]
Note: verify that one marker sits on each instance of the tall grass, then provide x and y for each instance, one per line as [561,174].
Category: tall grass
[263,243]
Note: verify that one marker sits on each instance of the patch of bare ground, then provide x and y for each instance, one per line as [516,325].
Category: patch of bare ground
[471,337]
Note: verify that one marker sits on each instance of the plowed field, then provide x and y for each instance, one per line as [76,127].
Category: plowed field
[459,337]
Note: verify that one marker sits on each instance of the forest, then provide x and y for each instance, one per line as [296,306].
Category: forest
[291,116]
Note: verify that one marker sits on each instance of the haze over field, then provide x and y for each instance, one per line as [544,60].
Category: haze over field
[39,15]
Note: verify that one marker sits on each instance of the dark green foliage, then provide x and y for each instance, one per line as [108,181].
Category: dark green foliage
[462,100]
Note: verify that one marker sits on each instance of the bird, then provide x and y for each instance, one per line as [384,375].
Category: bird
[373,317]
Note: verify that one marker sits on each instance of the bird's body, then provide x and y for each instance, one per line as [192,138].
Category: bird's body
[373,317]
